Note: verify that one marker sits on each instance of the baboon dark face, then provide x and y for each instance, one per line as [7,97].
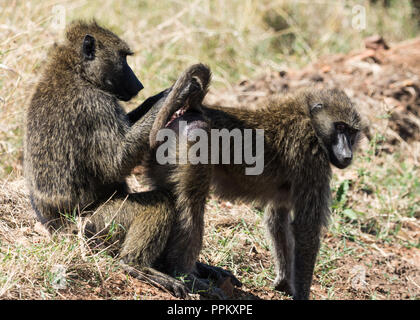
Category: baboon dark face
[110,68]
[337,125]
[341,148]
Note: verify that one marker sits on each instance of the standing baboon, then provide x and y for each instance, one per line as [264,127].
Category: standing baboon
[80,145]
[303,134]
[187,183]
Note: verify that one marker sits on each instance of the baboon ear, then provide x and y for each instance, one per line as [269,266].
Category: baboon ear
[316,107]
[88,47]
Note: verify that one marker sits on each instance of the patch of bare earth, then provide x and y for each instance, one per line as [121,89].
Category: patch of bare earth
[379,271]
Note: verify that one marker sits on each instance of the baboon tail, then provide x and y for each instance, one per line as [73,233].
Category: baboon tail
[191,87]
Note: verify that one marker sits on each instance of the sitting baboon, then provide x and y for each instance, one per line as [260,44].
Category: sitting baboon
[303,134]
[80,145]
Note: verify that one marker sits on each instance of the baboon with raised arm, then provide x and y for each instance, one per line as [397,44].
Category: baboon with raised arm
[187,183]
[80,145]
[304,133]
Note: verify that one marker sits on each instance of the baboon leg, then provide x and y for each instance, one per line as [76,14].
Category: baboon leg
[277,220]
[147,236]
[307,240]
[309,218]
[186,237]
[190,284]
[203,287]
[142,222]
[215,273]
[138,224]
[188,183]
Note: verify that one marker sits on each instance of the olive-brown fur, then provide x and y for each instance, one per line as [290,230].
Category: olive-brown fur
[80,145]
[296,176]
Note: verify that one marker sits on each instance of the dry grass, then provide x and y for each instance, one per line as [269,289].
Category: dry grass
[239,39]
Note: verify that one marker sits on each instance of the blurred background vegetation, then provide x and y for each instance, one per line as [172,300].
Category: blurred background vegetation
[237,38]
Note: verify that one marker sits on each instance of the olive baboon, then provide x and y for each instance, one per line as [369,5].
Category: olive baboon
[80,145]
[303,134]
[188,184]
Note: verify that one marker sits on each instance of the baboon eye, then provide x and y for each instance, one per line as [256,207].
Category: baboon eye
[340,127]
[88,47]
[353,131]
[353,134]
[315,107]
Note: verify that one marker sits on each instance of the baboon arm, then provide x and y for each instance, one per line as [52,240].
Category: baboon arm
[144,108]
[112,146]
[311,199]
[146,128]
[135,145]
[126,146]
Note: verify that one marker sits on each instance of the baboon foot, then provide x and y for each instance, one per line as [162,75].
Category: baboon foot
[215,294]
[204,288]
[159,280]
[177,289]
[281,284]
[215,273]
